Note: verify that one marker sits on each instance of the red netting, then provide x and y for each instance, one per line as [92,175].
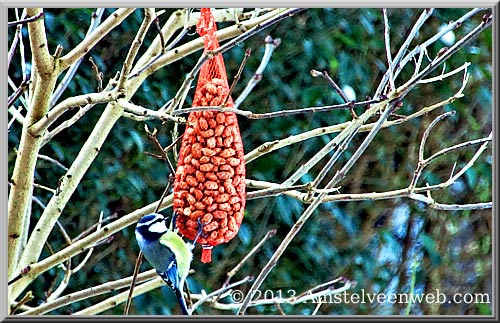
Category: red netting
[209,186]
[214,68]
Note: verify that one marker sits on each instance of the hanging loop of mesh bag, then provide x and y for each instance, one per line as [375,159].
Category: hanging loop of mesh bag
[209,186]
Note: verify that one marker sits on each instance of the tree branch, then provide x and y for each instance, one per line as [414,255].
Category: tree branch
[134,49]
[38,40]
[68,185]
[83,244]
[41,126]
[24,168]
[91,40]
[271,45]
[96,20]
[88,293]
[426,14]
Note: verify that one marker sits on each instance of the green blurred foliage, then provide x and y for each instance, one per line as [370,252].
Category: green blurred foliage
[363,241]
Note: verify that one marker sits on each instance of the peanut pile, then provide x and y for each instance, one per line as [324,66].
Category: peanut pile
[209,182]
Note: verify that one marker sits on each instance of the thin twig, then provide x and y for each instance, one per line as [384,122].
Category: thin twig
[162,40]
[27,20]
[445,75]
[283,113]
[426,14]
[13,46]
[428,130]
[107,287]
[313,206]
[275,191]
[132,284]
[325,75]
[218,293]
[52,160]
[237,76]
[98,75]
[182,92]
[331,162]
[165,192]
[271,45]
[43,187]
[420,164]
[456,147]
[163,154]
[134,49]
[230,274]
[89,253]
[94,226]
[94,23]
[388,49]
[62,285]
[146,114]
[19,91]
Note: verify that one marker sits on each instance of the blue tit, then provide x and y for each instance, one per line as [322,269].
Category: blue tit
[165,250]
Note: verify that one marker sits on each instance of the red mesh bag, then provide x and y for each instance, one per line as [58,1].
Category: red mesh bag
[209,186]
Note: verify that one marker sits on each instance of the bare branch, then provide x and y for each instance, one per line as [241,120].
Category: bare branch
[319,199]
[89,292]
[277,144]
[145,114]
[134,49]
[237,76]
[83,244]
[445,75]
[283,113]
[24,21]
[471,35]
[91,40]
[70,103]
[80,113]
[266,21]
[271,45]
[402,50]
[388,49]
[19,91]
[113,301]
[38,40]
[96,20]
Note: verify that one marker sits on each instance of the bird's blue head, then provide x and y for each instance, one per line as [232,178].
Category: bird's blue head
[151,227]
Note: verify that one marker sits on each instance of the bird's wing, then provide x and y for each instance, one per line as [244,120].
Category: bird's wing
[180,249]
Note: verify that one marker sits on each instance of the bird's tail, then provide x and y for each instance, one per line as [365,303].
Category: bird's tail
[182,302]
